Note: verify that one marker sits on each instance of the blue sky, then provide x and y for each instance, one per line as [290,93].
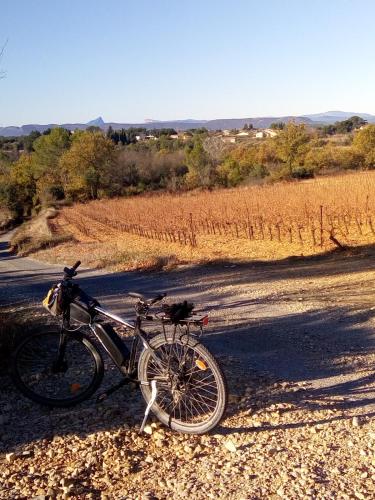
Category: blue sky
[71,61]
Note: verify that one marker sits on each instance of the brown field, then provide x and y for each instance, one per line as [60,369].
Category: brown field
[257,222]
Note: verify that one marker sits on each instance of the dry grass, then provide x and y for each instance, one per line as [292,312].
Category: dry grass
[6,219]
[258,222]
[37,234]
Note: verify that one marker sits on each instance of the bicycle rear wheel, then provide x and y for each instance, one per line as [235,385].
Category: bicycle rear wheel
[57,369]
[192,392]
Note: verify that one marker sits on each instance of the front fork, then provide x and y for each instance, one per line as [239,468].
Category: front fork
[60,365]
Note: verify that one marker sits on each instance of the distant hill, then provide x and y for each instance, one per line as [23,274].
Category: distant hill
[98,122]
[225,123]
[334,116]
[262,122]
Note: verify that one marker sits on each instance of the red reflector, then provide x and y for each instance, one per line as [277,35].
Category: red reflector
[205,320]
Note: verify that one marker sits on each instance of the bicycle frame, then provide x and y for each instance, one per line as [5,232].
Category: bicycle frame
[114,345]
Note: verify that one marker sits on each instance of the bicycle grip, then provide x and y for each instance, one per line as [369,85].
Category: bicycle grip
[76,265]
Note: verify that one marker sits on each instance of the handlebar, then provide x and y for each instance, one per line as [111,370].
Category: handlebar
[76,265]
[69,273]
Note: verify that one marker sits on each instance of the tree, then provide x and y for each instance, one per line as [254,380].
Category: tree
[333,157]
[17,187]
[86,166]
[277,125]
[47,152]
[344,126]
[22,176]
[292,143]
[364,142]
[109,132]
[229,172]
[328,129]
[350,124]
[93,128]
[200,169]
[28,141]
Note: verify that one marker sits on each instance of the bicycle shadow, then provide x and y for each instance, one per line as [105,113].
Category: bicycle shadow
[271,358]
[264,345]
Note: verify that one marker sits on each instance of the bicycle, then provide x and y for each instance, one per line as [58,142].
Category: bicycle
[180,380]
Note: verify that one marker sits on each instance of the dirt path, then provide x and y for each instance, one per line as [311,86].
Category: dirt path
[298,345]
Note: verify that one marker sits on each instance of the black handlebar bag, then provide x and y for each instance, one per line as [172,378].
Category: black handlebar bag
[82,307]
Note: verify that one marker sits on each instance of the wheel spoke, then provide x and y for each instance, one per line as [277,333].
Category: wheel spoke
[191,394]
[38,373]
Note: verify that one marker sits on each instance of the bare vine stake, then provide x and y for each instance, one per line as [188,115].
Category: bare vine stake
[261,227]
[321,225]
[193,240]
[370,224]
[300,234]
[278,232]
[313,235]
[248,223]
[290,231]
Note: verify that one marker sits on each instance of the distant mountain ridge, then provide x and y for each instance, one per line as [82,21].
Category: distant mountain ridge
[333,116]
[225,123]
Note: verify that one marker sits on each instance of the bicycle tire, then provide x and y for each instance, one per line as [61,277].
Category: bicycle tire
[34,349]
[166,345]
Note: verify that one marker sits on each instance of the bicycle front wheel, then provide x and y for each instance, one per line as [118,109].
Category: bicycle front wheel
[192,392]
[55,368]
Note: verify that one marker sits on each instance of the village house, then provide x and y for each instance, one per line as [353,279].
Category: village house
[228,139]
[140,137]
[268,132]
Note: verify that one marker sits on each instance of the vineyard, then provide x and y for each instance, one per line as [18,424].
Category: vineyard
[303,217]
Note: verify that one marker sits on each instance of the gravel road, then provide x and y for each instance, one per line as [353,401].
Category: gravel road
[298,346]
[293,319]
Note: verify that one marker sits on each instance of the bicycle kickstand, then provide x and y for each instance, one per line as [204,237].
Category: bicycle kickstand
[154,393]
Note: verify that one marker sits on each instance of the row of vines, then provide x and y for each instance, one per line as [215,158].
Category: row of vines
[311,213]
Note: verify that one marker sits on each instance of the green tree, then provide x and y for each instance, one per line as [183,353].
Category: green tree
[109,132]
[22,176]
[364,142]
[47,152]
[17,187]
[87,165]
[229,172]
[28,141]
[277,125]
[291,144]
[200,168]
[350,124]
[333,157]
